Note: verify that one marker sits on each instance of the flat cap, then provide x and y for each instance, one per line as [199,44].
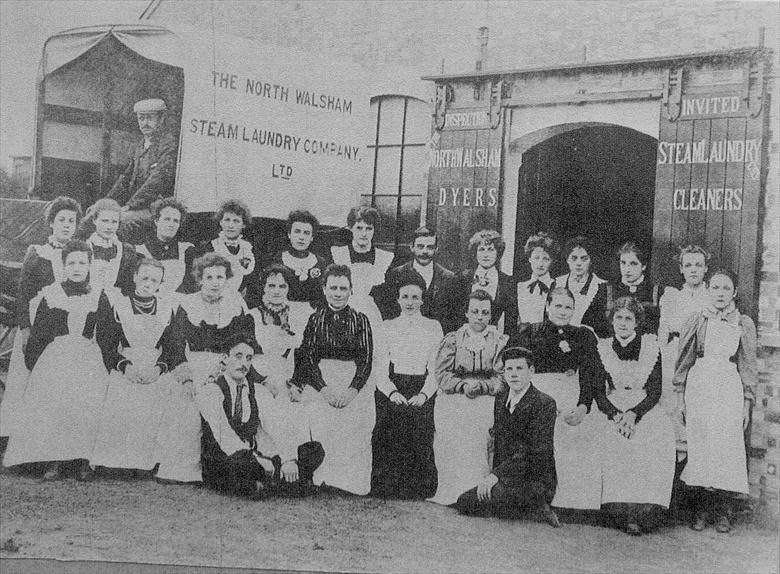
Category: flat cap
[151,105]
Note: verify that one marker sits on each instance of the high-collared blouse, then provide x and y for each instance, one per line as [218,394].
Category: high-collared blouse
[532,297]
[344,335]
[558,349]
[465,354]
[692,347]
[412,345]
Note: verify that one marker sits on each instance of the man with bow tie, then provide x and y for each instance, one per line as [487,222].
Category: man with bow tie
[523,478]
[238,455]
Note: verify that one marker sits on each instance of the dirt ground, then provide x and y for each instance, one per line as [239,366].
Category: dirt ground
[142,521]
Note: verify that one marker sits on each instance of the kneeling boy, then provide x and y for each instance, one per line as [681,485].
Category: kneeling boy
[523,477]
[237,454]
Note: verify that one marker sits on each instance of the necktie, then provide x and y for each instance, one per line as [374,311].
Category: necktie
[543,289]
[238,410]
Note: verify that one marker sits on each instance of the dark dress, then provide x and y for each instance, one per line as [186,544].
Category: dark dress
[174,257]
[590,307]
[647,293]
[504,303]
[435,305]
[306,284]
[568,368]
[402,441]
[112,266]
[338,352]
[523,457]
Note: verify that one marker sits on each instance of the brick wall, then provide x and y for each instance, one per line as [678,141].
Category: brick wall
[420,35]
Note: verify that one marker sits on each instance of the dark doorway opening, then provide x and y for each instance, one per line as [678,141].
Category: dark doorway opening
[597,181]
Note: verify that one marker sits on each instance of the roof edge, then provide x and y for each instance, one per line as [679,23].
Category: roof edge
[730,53]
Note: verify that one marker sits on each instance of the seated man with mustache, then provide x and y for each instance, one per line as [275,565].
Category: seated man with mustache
[237,454]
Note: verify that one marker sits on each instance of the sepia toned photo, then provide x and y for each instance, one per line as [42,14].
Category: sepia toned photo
[389,286]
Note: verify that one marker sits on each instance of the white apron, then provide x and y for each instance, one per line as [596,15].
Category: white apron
[132,412]
[345,434]
[639,469]
[178,440]
[103,274]
[60,411]
[16,382]
[713,414]
[175,269]
[578,449]
[239,271]
[460,443]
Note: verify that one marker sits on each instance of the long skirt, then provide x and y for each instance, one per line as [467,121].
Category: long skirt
[60,412]
[668,402]
[460,444]
[402,443]
[131,416]
[639,469]
[578,448]
[713,419]
[345,434]
[178,440]
[15,386]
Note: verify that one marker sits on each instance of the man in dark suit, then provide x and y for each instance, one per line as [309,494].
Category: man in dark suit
[238,455]
[437,280]
[149,175]
[523,477]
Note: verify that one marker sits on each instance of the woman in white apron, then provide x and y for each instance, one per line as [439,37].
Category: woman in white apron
[367,263]
[192,350]
[129,331]
[113,261]
[233,218]
[42,266]
[468,370]
[639,455]
[589,290]
[714,381]
[279,327]
[677,305]
[60,411]
[568,368]
[168,215]
[540,249]
[334,371]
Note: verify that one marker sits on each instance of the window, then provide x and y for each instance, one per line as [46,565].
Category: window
[400,171]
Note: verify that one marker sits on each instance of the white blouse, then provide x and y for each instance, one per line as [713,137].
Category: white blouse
[412,346]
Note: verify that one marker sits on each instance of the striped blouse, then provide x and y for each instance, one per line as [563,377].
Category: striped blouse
[344,335]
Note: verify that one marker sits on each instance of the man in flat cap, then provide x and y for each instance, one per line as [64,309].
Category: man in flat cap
[150,174]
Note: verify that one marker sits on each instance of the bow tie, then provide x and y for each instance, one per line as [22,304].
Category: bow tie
[543,288]
[104,253]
